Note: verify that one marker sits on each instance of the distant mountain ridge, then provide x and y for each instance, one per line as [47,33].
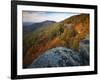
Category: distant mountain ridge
[27,23]
[29,27]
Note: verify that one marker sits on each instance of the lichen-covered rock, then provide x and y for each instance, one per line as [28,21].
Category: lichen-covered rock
[60,57]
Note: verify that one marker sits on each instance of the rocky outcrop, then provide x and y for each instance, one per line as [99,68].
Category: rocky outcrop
[84,52]
[61,57]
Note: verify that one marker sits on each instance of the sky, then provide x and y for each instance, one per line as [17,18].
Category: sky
[37,16]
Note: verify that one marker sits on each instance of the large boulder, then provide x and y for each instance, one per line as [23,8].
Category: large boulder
[57,57]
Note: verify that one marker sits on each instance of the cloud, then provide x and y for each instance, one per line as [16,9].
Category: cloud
[35,16]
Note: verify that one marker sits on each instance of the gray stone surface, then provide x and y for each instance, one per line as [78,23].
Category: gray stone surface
[61,57]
